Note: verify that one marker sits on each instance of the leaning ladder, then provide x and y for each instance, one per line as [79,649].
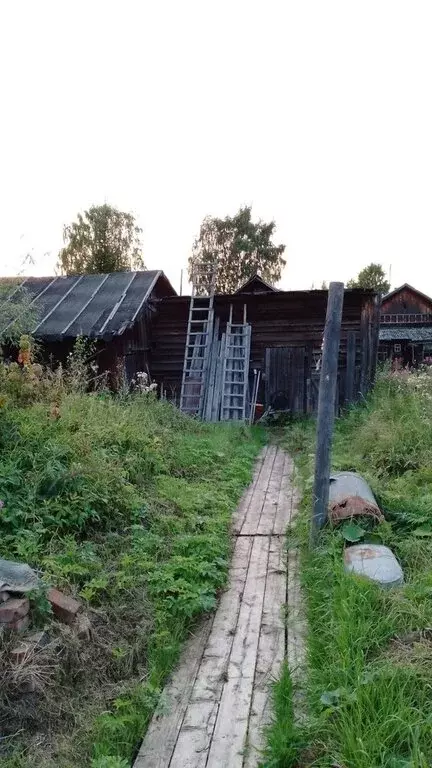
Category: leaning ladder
[235,377]
[196,358]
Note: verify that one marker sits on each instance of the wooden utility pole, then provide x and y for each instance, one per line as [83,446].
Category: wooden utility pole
[326,406]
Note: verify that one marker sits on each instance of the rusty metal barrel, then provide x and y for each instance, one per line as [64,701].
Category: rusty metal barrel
[349,496]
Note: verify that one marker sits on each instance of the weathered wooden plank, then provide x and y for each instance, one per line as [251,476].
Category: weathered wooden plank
[214,663]
[195,736]
[285,498]
[350,367]
[241,511]
[375,337]
[201,712]
[253,515]
[269,509]
[326,405]
[159,742]
[364,337]
[271,649]
[266,469]
[229,738]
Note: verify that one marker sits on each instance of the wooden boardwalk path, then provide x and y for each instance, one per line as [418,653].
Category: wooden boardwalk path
[213,710]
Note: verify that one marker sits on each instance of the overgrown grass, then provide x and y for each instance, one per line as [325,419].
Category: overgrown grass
[125,503]
[369,677]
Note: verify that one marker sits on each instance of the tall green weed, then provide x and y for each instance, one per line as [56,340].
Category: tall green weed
[368,682]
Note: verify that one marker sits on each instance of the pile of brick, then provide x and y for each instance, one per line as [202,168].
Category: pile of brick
[15,612]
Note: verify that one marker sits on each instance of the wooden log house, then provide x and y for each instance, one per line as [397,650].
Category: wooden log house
[406,327]
[139,323]
[287,331]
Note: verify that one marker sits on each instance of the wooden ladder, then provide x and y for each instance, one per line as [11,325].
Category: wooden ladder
[198,340]
[235,377]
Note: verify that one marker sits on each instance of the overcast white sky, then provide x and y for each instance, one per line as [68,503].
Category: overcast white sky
[316,112]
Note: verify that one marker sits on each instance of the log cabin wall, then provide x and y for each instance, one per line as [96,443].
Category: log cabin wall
[406,301]
[278,319]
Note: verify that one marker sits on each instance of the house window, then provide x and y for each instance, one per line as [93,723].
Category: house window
[397,348]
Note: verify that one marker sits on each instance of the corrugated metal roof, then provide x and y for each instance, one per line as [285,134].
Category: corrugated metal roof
[396,333]
[97,306]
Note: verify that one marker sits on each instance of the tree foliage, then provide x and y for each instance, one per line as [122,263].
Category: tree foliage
[18,315]
[372,276]
[238,248]
[103,239]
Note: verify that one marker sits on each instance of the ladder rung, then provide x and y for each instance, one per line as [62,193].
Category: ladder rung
[189,396]
[242,373]
[233,394]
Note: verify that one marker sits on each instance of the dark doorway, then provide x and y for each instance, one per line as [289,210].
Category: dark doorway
[286,379]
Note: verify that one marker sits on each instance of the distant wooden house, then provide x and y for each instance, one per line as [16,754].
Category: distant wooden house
[406,326]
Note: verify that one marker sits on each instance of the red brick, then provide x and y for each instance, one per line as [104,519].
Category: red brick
[13,610]
[64,607]
[20,625]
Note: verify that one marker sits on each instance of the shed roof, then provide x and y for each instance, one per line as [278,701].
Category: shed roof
[97,306]
[398,333]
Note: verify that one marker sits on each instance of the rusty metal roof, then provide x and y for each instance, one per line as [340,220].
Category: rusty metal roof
[96,306]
